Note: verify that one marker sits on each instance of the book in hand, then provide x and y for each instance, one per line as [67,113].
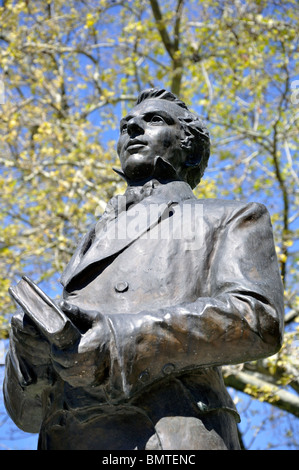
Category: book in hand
[50,320]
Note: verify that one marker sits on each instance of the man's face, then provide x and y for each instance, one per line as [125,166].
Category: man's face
[152,129]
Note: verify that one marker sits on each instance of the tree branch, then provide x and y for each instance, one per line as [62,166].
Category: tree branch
[172,47]
[245,381]
[176,30]
[169,46]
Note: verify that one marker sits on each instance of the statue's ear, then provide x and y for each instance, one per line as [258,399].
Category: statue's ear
[186,142]
[187,136]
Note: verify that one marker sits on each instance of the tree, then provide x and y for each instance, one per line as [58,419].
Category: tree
[71,69]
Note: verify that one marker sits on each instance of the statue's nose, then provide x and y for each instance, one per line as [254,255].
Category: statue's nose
[135,127]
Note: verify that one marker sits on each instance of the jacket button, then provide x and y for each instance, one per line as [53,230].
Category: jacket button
[202,406]
[121,286]
[144,376]
[168,369]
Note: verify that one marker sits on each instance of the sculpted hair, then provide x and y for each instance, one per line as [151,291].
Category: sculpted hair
[197,140]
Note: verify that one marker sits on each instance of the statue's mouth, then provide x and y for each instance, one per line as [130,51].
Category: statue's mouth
[135,144]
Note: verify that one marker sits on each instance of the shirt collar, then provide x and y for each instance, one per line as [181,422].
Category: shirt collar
[174,189]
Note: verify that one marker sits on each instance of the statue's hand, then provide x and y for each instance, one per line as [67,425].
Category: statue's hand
[82,319]
[28,343]
[86,362]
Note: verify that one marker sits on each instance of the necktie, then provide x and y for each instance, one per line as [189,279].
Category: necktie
[133,195]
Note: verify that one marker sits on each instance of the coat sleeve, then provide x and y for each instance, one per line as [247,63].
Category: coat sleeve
[241,318]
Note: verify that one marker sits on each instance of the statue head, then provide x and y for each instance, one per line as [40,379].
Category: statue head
[160,138]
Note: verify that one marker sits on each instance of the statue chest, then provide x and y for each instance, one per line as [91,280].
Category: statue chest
[161,268]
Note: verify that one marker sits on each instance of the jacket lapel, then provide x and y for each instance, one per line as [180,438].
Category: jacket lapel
[107,239]
[103,242]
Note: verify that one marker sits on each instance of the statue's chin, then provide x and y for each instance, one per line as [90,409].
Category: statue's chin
[136,171]
[139,170]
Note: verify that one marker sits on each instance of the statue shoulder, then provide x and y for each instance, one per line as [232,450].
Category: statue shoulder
[228,209]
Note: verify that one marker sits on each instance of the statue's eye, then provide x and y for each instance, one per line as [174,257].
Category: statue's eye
[156,120]
[124,129]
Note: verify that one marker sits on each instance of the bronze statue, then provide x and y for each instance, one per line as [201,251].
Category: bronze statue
[162,291]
